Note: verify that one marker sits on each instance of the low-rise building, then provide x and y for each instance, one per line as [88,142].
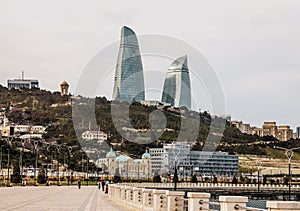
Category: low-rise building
[126,167]
[22,83]
[94,134]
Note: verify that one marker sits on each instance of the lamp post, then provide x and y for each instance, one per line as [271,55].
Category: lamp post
[8,167]
[1,160]
[69,156]
[47,147]
[36,158]
[87,170]
[258,164]
[21,160]
[289,154]
[58,149]
[9,140]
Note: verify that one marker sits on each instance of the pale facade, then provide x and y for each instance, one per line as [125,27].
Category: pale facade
[269,129]
[285,133]
[125,166]
[91,135]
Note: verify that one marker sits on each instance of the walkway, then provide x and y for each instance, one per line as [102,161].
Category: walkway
[55,198]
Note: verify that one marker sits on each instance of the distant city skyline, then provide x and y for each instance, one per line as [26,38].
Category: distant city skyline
[254,49]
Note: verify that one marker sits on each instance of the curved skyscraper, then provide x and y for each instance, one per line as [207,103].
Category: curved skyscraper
[129,77]
[177,86]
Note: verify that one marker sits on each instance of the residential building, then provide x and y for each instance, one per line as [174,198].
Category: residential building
[129,76]
[244,128]
[125,166]
[177,87]
[269,129]
[284,133]
[94,134]
[256,131]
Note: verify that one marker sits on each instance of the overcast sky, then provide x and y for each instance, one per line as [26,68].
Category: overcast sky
[253,45]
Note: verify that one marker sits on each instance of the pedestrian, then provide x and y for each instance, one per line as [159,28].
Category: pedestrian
[99,184]
[106,186]
[79,184]
[103,185]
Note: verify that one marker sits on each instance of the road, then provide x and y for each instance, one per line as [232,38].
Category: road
[55,198]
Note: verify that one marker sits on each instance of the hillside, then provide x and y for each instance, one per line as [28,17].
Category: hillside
[40,107]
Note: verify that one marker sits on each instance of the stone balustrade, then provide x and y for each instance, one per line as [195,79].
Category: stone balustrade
[133,197]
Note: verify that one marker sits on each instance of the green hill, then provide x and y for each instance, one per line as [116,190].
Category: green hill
[40,107]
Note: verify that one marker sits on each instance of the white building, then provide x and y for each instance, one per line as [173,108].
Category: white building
[125,166]
[37,129]
[22,84]
[93,134]
[190,162]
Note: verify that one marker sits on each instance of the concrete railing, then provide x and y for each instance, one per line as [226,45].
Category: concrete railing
[136,198]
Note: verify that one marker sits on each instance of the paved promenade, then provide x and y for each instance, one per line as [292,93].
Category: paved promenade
[55,198]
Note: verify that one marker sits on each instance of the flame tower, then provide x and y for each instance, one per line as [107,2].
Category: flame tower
[129,77]
[177,86]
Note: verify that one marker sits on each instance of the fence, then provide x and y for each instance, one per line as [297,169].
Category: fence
[135,197]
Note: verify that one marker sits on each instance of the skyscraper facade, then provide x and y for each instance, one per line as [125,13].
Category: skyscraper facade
[129,77]
[177,88]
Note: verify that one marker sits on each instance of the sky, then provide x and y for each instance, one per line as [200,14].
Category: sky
[253,45]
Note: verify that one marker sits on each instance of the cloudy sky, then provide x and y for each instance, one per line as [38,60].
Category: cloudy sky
[253,45]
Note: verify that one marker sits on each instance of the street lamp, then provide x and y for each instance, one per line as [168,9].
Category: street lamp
[258,164]
[21,160]
[47,147]
[289,154]
[69,157]
[8,160]
[36,143]
[8,167]
[1,160]
[58,148]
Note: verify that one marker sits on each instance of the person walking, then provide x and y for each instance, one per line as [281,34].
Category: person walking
[103,185]
[79,184]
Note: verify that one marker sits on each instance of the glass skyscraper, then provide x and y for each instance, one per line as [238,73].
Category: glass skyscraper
[177,88]
[129,77]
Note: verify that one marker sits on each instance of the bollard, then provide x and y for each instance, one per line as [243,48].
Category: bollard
[160,200]
[232,203]
[283,205]
[198,201]
[175,200]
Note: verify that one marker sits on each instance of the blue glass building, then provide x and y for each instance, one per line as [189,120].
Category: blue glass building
[129,78]
[177,87]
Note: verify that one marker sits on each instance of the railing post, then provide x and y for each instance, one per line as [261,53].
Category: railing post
[160,200]
[198,201]
[283,205]
[147,199]
[232,203]
[123,194]
[129,196]
[175,200]
[137,198]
